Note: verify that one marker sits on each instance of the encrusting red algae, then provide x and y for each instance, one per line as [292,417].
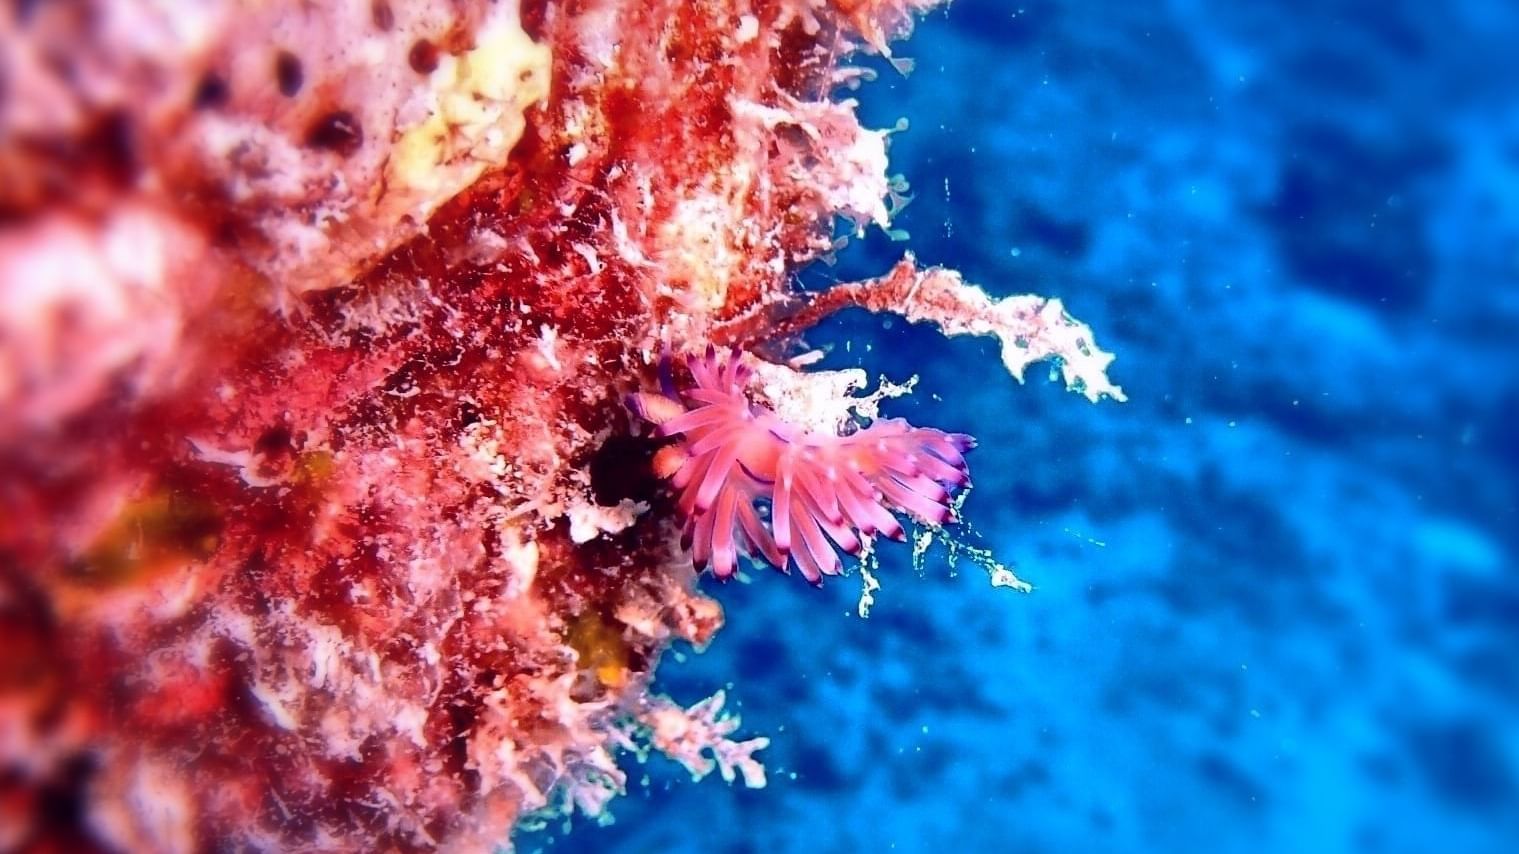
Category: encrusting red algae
[325,525]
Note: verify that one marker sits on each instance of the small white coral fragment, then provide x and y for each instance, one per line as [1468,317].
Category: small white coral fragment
[1031,329]
[844,163]
[688,735]
[589,520]
[824,401]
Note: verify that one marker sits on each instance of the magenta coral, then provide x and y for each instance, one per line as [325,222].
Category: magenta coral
[735,456]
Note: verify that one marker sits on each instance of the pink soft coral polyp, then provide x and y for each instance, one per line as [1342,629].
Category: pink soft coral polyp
[824,492]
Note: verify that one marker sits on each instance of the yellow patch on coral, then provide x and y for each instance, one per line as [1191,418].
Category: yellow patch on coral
[478,116]
[601,648]
[157,532]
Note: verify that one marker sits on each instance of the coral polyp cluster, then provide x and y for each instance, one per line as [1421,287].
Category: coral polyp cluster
[822,490]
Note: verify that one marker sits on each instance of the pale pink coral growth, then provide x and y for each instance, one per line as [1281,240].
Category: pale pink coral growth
[687,735]
[824,491]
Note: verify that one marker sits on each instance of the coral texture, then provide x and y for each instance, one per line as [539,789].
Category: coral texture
[322,528]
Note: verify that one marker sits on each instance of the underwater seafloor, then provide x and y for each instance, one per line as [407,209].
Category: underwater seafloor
[1276,603]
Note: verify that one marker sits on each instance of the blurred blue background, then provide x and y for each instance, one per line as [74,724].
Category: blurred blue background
[1276,605]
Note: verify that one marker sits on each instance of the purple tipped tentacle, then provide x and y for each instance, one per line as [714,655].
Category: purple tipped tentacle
[841,534]
[724,549]
[924,486]
[814,545]
[704,371]
[729,367]
[918,506]
[949,447]
[868,502]
[858,509]
[931,466]
[806,561]
[742,373]
[759,536]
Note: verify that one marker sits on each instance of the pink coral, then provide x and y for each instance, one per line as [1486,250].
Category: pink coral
[823,490]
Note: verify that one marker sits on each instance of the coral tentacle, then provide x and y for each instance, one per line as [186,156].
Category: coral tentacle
[825,492]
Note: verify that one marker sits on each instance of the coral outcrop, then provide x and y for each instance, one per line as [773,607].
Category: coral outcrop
[323,526]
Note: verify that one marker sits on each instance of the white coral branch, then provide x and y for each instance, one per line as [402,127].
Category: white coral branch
[1030,328]
[688,735]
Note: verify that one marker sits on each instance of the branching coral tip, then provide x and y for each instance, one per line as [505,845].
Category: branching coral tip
[734,457]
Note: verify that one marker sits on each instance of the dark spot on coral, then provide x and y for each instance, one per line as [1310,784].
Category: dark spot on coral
[532,14]
[211,92]
[620,469]
[638,660]
[423,57]
[114,138]
[468,413]
[384,18]
[337,131]
[61,804]
[276,440]
[287,71]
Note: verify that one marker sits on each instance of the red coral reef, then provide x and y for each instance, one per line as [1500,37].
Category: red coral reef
[321,525]
[314,536]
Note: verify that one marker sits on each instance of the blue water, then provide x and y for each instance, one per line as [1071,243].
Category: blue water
[1277,603]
